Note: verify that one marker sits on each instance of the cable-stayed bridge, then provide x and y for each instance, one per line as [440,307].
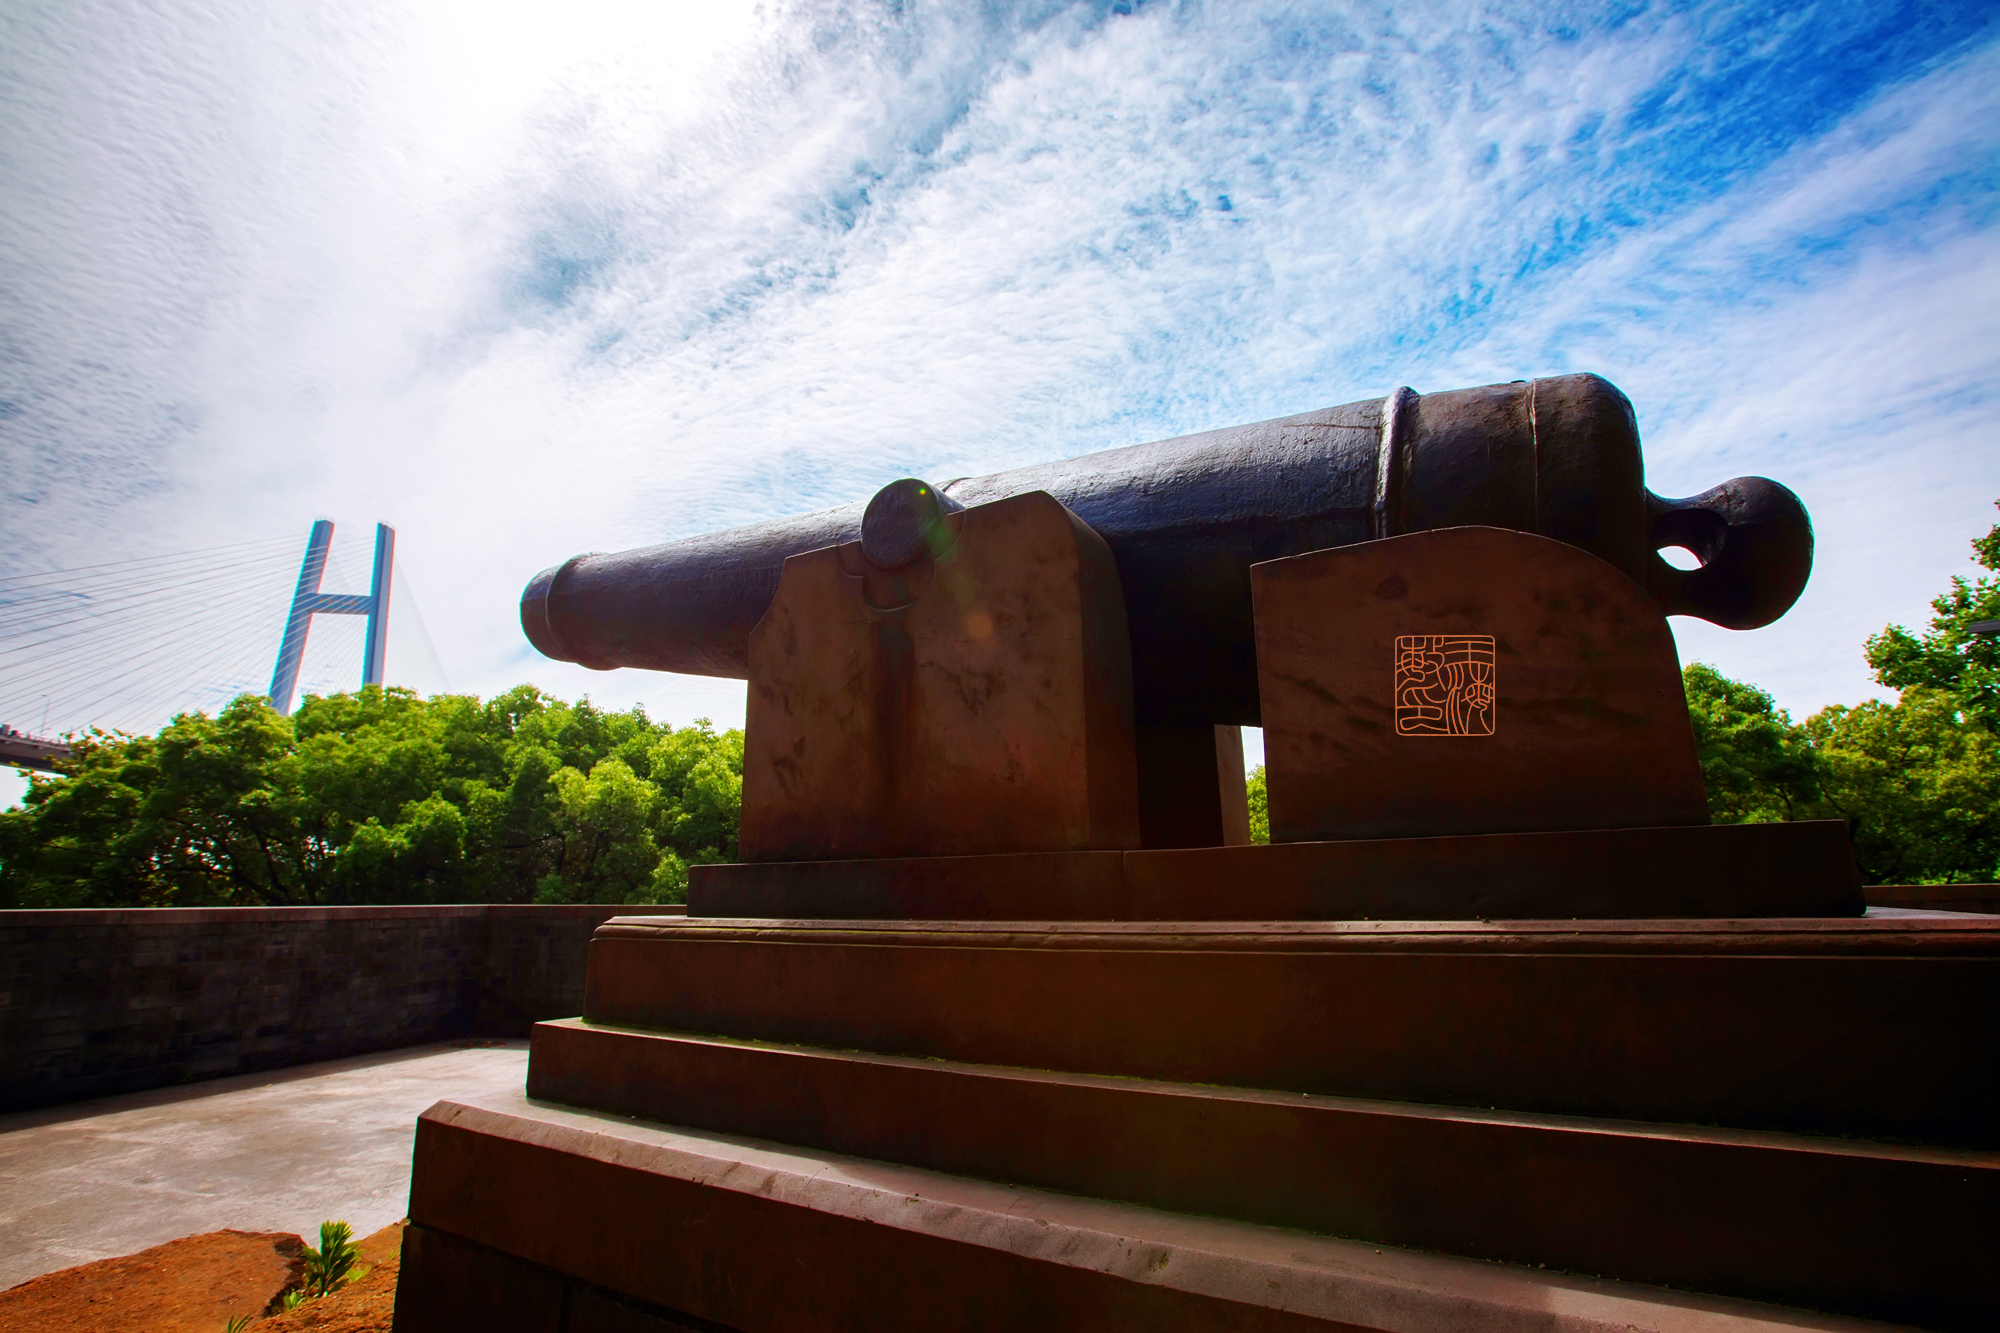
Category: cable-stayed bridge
[126,645]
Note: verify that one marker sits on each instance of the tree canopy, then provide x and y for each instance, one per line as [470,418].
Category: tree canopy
[375,797]
[1950,658]
[1918,780]
[381,797]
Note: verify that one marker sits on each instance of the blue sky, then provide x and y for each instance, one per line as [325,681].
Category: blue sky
[535,279]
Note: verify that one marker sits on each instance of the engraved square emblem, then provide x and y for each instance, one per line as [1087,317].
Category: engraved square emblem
[1444,685]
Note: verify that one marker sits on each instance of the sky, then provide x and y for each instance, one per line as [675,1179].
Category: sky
[525,280]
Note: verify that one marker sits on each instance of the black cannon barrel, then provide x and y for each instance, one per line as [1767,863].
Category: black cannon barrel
[1187,517]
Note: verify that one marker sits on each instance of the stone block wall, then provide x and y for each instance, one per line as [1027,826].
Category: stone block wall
[97,1002]
[1981,898]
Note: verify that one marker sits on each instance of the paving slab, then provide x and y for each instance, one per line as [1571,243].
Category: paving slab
[277,1151]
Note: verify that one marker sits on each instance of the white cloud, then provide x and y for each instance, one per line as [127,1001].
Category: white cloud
[527,281]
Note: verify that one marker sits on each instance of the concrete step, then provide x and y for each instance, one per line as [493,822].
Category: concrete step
[528,1218]
[1761,1215]
[1877,1028]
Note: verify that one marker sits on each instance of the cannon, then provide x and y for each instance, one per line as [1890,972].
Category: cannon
[1186,518]
[941,1034]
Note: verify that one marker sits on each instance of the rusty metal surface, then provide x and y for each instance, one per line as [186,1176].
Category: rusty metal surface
[1033,886]
[1864,1027]
[753,1238]
[1764,1216]
[1186,518]
[972,697]
[1755,545]
[1706,870]
[445,1284]
[1472,680]
[1191,786]
[1714,871]
[758,1236]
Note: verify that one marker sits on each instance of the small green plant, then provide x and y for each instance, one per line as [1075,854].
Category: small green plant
[237,1325]
[329,1265]
[292,1300]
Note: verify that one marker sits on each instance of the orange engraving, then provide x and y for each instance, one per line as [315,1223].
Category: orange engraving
[1444,685]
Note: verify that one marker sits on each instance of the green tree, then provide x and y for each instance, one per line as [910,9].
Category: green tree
[77,842]
[1950,658]
[1917,780]
[421,857]
[209,811]
[1756,765]
[1918,783]
[379,796]
[606,847]
[700,775]
[1259,792]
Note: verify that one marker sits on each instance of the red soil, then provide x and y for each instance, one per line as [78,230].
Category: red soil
[198,1284]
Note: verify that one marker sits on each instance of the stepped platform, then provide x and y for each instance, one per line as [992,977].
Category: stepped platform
[528,1216]
[1693,871]
[979,1124]
[999,1025]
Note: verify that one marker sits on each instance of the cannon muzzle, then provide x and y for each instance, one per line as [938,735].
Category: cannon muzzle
[1186,518]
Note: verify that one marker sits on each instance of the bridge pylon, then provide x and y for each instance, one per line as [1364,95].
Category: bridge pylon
[308,601]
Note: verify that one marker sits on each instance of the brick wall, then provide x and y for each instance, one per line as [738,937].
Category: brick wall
[96,1002]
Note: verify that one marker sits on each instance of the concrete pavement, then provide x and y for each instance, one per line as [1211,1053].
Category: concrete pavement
[278,1151]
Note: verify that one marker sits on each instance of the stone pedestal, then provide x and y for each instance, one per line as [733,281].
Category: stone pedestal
[1472,680]
[760,1125]
[1699,871]
[987,1033]
[967,694]
[1191,786]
